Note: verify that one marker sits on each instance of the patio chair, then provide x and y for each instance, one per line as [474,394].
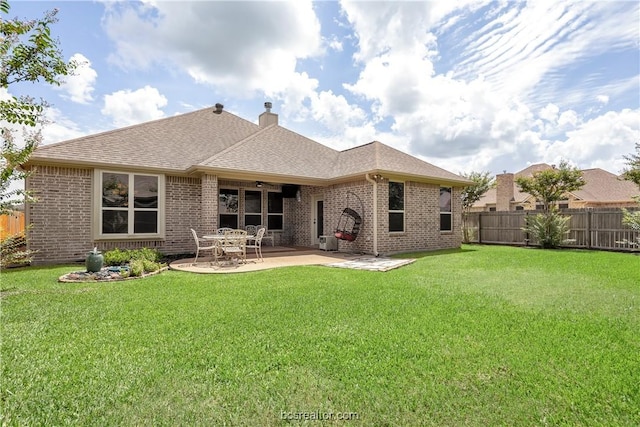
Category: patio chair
[200,246]
[257,243]
[222,230]
[267,235]
[252,230]
[234,244]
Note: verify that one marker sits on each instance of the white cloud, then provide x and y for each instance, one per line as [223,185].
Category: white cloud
[80,85]
[128,107]
[599,140]
[240,47]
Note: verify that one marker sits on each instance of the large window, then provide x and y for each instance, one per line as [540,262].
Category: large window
[275,211]
[445,209]
[228,208]
[396,206]
[252,207]
[130,204]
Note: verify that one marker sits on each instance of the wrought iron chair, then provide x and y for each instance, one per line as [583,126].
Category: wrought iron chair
[201,246]
[257,243]
[267,235]
[234,244]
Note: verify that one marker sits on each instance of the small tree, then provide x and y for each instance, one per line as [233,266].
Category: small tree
[27,54]
[549,186]
[482,182]
[632,173]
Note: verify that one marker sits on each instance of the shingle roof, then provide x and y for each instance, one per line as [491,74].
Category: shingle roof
[226,143]
[605,186]
[278,151]
[378,157]
[173,143]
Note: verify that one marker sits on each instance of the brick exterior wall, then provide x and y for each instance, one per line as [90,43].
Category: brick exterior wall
[62,215]
[422,217]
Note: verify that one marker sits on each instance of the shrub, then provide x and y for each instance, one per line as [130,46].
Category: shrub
[549,229]
[117,257]
[13,251]
[136,267]
[148,254]
[150,266]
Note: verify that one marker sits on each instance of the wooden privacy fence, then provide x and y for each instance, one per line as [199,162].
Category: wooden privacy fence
[588,228]
[11,224]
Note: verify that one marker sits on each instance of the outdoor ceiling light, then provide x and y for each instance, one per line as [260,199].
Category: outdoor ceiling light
[259,184]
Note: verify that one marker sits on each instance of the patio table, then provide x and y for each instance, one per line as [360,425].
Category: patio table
[218,238]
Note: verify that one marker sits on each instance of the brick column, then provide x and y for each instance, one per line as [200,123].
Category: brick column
[209,204]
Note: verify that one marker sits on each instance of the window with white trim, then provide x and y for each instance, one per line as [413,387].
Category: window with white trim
[396,206]
[446,223]
[228,208]
[275,211]
[130,205]
[252,207]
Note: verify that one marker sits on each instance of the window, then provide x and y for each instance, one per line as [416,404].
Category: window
[396,206]
[275,211]
[130,204]
[445,209]
[252,207]
[228,208]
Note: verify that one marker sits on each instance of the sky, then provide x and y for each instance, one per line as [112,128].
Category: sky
[467,85]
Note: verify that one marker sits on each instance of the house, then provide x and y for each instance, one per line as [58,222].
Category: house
[602,189]
[146,185]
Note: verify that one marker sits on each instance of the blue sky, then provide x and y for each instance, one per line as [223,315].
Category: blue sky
[466,85]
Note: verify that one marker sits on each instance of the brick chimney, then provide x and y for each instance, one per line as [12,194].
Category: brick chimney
[504,191]
[267,118]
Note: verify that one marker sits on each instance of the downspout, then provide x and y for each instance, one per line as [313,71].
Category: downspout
[374,213]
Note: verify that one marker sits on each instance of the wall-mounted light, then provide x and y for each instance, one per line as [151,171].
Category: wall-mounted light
[259,184]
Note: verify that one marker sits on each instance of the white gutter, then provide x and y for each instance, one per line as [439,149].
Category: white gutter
[374,213]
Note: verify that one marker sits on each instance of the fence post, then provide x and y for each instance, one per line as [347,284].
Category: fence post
[588,228]
[526,233]
[479,227]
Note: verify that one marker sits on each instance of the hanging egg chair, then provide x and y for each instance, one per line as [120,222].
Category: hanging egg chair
[350,222]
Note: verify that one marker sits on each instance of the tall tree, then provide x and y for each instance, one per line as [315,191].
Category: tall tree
[28,53]
[482,182]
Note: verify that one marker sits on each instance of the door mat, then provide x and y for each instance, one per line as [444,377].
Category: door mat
[372,263]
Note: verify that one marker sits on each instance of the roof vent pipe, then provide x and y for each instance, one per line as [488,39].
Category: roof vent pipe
[219,108]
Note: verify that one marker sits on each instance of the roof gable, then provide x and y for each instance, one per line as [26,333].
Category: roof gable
[278,151]
[378,157]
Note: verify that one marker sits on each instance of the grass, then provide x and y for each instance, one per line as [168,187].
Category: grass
[478,336]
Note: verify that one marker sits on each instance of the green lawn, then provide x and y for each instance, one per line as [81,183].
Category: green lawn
[482,336]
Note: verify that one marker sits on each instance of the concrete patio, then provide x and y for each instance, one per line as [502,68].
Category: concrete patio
[281,256]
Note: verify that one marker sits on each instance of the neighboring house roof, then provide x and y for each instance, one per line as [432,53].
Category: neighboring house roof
[230,146]
[600,187]
[605,186]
